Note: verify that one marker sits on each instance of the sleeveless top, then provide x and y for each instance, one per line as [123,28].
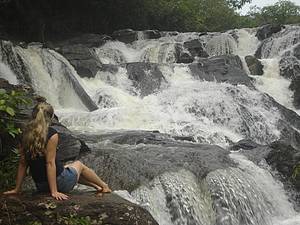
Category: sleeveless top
[38,166]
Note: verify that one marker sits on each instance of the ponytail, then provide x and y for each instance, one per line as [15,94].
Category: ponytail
[35,133]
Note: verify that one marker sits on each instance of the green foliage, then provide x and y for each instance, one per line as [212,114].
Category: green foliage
[281,13]
[8,170]
[9,106]
[296,172]
[76,220]
[35,223]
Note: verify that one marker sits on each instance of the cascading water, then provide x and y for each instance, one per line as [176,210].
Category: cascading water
[180,105]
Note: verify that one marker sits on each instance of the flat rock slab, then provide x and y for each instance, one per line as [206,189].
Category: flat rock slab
[81,208]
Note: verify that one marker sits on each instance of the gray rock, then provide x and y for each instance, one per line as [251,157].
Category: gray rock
[146,77]
[267,30]
[290,69]
[127,35]
[227,68]
[245,144]
[195,47]
[128,159]
[284,158]
[82,58]
[151,34]
[78,51]
[254,65]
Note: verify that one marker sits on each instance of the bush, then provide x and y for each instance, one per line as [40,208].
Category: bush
[10,104]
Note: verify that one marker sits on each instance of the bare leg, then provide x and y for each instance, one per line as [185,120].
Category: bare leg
[89,176]
[82,180]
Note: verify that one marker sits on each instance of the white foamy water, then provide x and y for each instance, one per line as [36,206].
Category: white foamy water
[48,77]
[249,195]
[209,111]
[215,113]
[6,73]
[274,84]
[281,42]
[222,44]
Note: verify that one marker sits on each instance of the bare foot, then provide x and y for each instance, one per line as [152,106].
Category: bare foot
[106,189]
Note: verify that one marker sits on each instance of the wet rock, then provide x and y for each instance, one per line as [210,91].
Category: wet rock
[279,43]
[184,57]
[254,65]
[10,57]
[82,58]
[83,207]
[151,34]
[226,68]
[127,35]
[267,30]
[79,52]
[245,144]
[88,40]
[290,69]
[195,47]
[131,158]
[284,158]
[146,77]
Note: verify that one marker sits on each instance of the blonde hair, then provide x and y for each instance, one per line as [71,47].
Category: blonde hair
[35,133]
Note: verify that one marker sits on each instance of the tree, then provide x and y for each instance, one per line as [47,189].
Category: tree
[281,13]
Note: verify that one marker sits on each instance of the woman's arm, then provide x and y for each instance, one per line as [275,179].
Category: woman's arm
[20,174]
[51,168]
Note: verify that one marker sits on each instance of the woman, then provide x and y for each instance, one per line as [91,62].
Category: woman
[38,151]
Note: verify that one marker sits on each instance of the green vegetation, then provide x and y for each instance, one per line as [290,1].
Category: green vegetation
[283,12]
[10,103]
[45,20]
[8,170]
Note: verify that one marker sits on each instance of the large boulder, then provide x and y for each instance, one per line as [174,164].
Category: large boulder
[146,77]
[254,65]
[79,52]
[81,208]
[128,159]
[267,31]
[226,68]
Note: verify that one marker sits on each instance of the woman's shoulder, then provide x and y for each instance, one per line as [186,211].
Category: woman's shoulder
[51,132]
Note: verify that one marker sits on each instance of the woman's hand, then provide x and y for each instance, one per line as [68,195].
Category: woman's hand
[59,196]
[12,192]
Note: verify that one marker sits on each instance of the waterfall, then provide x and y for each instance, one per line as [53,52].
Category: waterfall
[222,44]
[6,73]
[249,195]
[246,195]
[175,102]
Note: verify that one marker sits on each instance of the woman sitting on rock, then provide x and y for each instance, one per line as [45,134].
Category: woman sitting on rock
[38,151]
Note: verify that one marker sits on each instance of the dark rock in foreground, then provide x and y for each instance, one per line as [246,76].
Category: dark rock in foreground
[284,158]
[128,159]
[85,208]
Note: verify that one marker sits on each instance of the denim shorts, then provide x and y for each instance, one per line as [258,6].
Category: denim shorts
[65,181]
